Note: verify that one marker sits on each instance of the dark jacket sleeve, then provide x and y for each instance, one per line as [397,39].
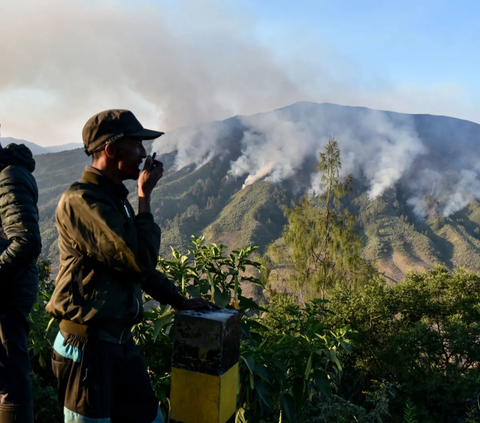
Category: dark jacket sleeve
[160,288]
[156,284]
[19,215]
[148,235]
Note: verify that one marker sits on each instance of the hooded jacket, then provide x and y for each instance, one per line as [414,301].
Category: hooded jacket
[19,219]
[107,256]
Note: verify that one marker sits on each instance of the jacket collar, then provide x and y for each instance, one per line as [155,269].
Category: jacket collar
[95,176]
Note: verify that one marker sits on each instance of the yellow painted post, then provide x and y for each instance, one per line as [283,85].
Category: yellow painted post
[205,358]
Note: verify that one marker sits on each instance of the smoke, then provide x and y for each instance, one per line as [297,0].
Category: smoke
[382,148]
[174,64]
[272,148]
[444,192]
[275,146]
[195,145]
[377,146]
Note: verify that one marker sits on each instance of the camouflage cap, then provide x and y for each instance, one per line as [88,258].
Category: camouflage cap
[111,125]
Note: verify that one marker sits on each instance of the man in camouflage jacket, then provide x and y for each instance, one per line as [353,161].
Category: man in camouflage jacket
[20,246]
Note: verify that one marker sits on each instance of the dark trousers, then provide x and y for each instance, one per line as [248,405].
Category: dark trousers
[15,385]
[16,404]
[103,380]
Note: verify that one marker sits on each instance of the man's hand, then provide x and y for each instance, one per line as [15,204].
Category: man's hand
[150,175]
[198,304]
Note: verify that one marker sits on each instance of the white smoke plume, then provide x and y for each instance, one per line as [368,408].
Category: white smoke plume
[174,64]
[272,148]
[275,146]
[194,145]
[382,148]
[450,190]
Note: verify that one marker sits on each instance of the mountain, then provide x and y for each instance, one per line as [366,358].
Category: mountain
[414,195]
[37,149]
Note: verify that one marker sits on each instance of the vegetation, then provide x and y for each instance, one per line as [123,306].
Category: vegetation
[373,353]
[421,335]
[42,334]
[320,247]
[290,358]
[207,200]
[341,344]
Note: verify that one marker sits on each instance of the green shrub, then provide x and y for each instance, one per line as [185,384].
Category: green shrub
[42,333]
[289,357]
[421,335]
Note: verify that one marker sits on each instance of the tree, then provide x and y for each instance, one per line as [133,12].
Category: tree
[422,335]
[320,245]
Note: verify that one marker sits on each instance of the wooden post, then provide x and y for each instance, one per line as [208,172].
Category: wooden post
[205,358]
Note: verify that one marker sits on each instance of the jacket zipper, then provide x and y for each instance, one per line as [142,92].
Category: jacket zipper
[126,209]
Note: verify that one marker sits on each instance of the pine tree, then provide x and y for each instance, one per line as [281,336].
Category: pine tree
[320,245]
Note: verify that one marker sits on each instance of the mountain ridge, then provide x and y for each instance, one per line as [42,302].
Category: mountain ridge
[38,149]
[231,179]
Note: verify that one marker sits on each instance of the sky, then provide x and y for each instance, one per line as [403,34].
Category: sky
[176,63]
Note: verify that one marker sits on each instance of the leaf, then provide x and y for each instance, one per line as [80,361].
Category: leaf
[334,358]
[298,390]
[262,372]
[158,324]
[193,291]
[280,365]
[288,405]
[204,286]
[240,416]
[346,346]
[222,298]
[150,315]
[322,382]
[245,328]
[50,324]
[263,394]
[247,303]
[308,368]
[249,361]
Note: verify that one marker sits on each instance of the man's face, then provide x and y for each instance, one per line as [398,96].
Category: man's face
[130,153]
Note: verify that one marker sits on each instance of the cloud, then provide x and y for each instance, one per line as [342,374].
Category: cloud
[63,61]
[174,64]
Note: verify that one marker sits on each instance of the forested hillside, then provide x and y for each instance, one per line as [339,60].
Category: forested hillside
[413,192]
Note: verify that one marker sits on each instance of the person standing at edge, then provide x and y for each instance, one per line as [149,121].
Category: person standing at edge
[20,245]
[107,256]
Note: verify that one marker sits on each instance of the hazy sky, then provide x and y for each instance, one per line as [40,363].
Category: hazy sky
[176,63]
